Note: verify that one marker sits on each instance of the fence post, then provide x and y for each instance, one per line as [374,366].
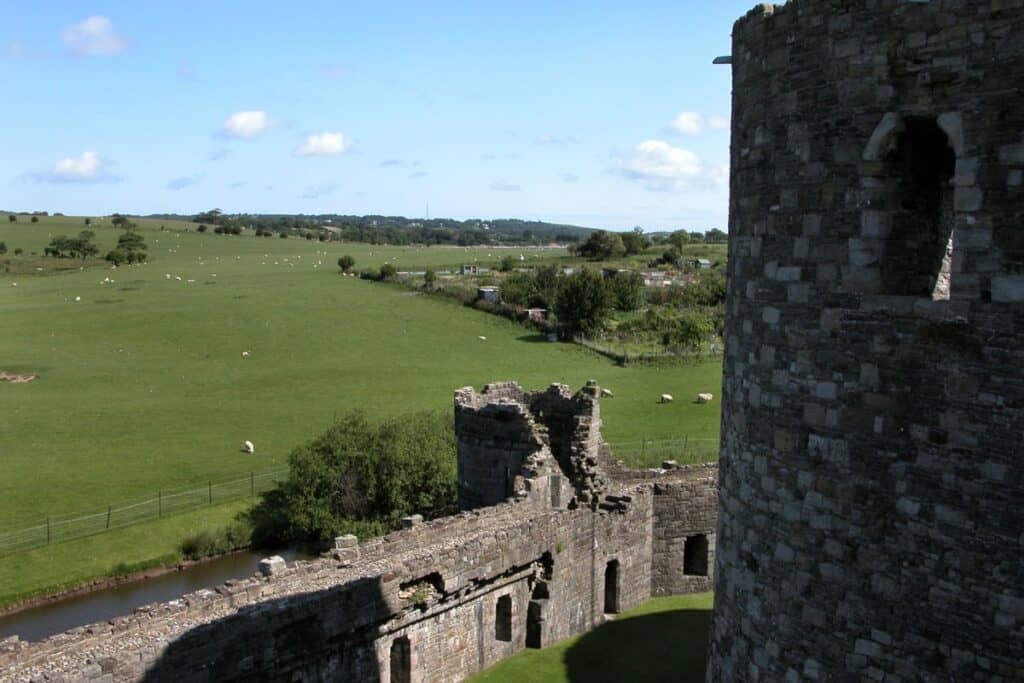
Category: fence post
[159,504]
[108,516]
[210,486]
[252,484]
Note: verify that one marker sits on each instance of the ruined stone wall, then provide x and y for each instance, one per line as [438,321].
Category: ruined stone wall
[872,481]
[683,534]
[455,595]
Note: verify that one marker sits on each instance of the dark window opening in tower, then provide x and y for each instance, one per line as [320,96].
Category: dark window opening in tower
[695,555]
[919,251]
[401,660]
[611,587]
[503,618]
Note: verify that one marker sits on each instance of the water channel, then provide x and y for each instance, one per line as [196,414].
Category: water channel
[37,623]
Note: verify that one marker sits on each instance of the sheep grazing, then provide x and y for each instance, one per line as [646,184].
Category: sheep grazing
[482,338]
[248,447]
[704,398]
[607,392]
[245,354]
[666,398]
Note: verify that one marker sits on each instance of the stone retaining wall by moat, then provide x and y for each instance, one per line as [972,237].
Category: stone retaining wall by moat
[549,545]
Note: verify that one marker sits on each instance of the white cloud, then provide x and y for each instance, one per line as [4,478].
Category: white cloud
[502,186]
[718,122]
[246,124]
[93,36]
[85,168]
[687,123]
[659,166]
[323,144]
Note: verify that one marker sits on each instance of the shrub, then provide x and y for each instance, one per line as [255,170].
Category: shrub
[369,274]
[207,543]
[117,256]
[35,219]
[201,228]
[12,218]
[507,264]
[707,290]
[18,251]
[387,271]
[346,262]
[3,247]
[362,478]
[429,278]
[283,235]
[628,289]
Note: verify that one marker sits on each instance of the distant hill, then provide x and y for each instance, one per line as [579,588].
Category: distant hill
[398,229]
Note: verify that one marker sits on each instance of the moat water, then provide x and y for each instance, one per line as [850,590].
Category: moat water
[37,623]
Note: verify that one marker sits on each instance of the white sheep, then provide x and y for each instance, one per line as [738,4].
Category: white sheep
[705,398]
[482,338]
[245,354]
[248,447]
[666,398]
[607,392]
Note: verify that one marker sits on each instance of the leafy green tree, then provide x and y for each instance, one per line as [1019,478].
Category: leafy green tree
[689,331]
[507,264]
[584,302]
[601,245]
[716,236]
[429,278]
[519,289]
[201,228]
[387,271]
[83,246]
[121,221]
[707,290]
[628,288]
[11,218]
[116,256]
[634,242]
[131,248]
[346,262]
[88,221]
[3,247]
[671,256]
[547,279]
[362,478]
[35,219]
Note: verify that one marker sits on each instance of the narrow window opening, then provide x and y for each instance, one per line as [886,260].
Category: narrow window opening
[695,555]
[503,619]
[919,170]
[611,587]
[556,491]
[401,660]
[534,624]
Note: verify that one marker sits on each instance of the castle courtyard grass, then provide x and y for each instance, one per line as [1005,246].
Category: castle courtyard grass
[142,385]
[664,639]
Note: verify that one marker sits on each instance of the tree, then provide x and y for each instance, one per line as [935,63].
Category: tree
[11,218]
[634,242]
[121,221]
[131,248]
[346,262]
[3,247]
[716,236]
[601,245]
[35,219]
[707,290]
[359,477]
[429,278]
[628,289]
[83,246]
[507,264]
[584,302]
[88,221]
[519,289]
[671,256]
[201,228]
[689,331]
[547,279]
[387,271]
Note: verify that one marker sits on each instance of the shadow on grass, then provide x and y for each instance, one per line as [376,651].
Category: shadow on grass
[534,338]
[663,646]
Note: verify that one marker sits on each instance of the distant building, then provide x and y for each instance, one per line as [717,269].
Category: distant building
[491,294]
[538,314]
[702,263]
[469,269]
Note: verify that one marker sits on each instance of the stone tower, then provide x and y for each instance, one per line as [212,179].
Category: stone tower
[871,518]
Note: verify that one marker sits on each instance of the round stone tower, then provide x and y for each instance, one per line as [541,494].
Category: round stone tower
[872,472]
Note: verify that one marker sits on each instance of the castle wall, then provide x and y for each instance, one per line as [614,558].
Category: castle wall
[684,513]
[871,470]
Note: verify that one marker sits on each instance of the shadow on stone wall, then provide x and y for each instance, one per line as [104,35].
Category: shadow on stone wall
[325,635]
[663,646]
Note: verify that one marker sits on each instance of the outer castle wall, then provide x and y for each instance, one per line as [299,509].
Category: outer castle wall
[441,599]
[872,481]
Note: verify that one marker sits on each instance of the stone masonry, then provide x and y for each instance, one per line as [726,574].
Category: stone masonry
[555,537]
[871,523]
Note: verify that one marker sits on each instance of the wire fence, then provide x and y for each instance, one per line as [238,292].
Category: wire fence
[685,450]
[58,529]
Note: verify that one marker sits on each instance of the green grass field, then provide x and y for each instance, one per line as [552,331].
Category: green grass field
[663,640]
[142,385]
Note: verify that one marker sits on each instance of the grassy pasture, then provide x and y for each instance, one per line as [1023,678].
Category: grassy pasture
[142,385]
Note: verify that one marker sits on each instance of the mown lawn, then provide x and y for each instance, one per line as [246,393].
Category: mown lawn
[663,640]
[142,385]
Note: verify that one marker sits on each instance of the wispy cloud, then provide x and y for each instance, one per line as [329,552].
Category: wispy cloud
[695,123]
[660,167]
[244,125]
[502,186]
[320,191]
[94,36]
[556,140]
[323,144]
[390,162]
[218,154]
[182,182]
[417,175]
[569,177]
[88,167]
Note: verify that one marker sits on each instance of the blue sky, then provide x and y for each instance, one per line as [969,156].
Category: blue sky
[605,114]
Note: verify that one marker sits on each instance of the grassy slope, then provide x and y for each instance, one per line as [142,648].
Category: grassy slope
[142,385]
[663,640]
